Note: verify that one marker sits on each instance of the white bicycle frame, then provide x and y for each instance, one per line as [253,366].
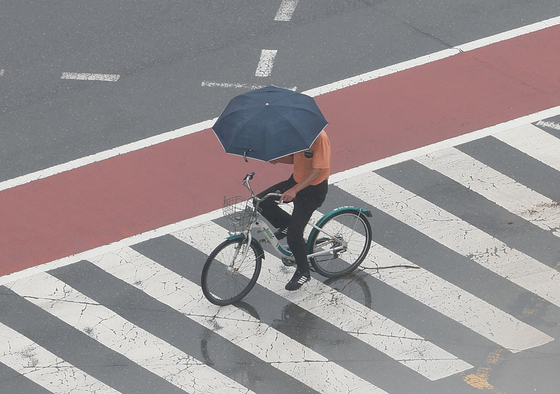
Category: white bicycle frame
[268,237]
[279,250]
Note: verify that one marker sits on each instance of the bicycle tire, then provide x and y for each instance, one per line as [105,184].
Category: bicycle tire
[351,228]
[224,286]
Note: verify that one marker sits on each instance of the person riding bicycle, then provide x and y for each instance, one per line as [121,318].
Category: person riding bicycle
[307,188]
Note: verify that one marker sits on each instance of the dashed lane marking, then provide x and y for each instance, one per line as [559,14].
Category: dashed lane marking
[264,68]
[91,77]
[236,85]
[286,10]
[197,127]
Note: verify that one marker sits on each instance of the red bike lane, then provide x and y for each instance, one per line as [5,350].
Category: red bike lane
[113,199]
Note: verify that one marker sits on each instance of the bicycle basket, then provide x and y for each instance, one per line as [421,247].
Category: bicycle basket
[239,211]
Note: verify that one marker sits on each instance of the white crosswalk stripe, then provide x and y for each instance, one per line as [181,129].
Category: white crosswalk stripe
[504,191]
[444,297]
[44,368]
[365,324]
[454,302]
[108,328]
[535,142]
[456,234]
[426,358]
[237,326]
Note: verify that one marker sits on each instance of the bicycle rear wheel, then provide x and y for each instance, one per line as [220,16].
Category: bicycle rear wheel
[346,237]
[231,271]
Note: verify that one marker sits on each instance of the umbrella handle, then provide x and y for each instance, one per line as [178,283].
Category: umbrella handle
[245,155]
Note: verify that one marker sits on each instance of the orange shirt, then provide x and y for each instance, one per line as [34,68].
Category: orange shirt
[317,156]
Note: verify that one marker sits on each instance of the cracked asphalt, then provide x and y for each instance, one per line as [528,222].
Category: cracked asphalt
[132,320]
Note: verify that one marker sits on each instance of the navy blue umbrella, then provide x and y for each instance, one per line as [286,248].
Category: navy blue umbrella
[269,123]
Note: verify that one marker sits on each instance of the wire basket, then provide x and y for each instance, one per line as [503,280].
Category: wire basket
[239,211]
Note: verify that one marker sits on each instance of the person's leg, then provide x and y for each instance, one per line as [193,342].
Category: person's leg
[305,203]
[270,209]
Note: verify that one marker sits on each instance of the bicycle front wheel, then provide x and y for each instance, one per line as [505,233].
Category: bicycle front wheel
[231,271]
[341,244]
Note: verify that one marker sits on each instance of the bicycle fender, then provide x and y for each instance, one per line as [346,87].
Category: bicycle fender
[254,242]
[320,222]
[365,211]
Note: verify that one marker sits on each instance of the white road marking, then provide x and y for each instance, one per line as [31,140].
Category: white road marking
[120,335]
[236,85]
[286,10]
[233,324]
[231,85]
[454,141]
[1,72]
[377,331]
[91,77]
[496,187]
[197,127]
[44,368]
[534,142]
[454,302]
[89,254]
[549,124]
[266,62]
[456,234]
[446,298]
[334,178]
[434,56]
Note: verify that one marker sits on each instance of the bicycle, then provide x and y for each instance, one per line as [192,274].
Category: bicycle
[336,246]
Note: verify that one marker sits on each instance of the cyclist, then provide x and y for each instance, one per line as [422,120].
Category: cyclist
[307,189]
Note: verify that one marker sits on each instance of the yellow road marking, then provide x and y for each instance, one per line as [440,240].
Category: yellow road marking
[479,380]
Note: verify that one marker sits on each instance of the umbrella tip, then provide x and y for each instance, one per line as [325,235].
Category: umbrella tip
[267,104]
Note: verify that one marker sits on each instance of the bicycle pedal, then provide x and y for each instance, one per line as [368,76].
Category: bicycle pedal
[288,263]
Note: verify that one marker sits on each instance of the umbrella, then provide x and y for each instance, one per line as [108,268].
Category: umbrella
[269,123]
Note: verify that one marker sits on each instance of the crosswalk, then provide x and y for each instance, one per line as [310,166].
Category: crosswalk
[461,236]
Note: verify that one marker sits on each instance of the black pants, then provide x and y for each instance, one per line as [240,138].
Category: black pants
[305,203]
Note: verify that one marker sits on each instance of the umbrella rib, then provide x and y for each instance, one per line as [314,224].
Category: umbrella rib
[241,126]
[296,128]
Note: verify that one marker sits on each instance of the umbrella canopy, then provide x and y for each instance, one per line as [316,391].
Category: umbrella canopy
[269,123]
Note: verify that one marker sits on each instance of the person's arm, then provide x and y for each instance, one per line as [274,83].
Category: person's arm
[283,160]
[290,194]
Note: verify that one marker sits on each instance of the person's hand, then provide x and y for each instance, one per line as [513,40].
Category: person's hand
[288,195]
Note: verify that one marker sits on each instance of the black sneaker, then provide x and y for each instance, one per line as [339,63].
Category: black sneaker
[281,233]
[298,280]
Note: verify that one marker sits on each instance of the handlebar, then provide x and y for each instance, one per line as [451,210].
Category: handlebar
[248,177]
[269,195]
[247,184]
